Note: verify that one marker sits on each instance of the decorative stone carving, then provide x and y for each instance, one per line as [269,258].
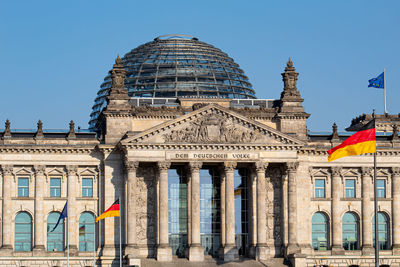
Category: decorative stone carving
[118,74]
[260,166]
[229,166]
[395,135]
[211,129]
[71,170]
[292,166]
[71,133]
[39,169]
[336,171]
[367,171]
[7,169]
[335,135]
[39,132]
[195,166]
[396,171]
[7,131]
[163,165]
[289,78]
[131,165]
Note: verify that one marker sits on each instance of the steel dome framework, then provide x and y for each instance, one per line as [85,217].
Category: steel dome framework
[178,66]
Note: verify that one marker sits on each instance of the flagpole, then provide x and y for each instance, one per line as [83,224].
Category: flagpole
[68,241]
[384,88]
[120,242]
[376,209]
[94,239]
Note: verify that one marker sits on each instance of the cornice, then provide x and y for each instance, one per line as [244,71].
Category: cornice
[324,151]
[45,149]
[220,147]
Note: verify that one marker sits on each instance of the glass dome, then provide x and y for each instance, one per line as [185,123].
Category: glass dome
[174,66]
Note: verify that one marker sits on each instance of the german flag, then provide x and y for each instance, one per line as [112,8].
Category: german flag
[113,211]
[362,142]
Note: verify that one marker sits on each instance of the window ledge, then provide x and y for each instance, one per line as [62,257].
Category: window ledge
[383,199]
[22,198]
[87,198]
[321,199]
[350,199]
[55,198]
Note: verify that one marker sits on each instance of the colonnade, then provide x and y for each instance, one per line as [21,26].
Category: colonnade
[229,251]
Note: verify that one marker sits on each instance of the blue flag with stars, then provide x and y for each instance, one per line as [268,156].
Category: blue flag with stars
[64,214]
[378,82]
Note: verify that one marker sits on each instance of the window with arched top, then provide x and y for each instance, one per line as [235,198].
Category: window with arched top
[87,232]
[320,226]
[350,231]
[383,231]
[23,232]
[55,236]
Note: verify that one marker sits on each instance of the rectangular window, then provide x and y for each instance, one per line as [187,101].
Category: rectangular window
[23,187]
[320,188]
[381,187]
[350,188]
[87,187]
[55,187]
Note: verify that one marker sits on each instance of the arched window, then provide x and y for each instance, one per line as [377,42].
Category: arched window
[383,230]
[55,239]
[350,226]
[320,231]
[86,232]
[23,232]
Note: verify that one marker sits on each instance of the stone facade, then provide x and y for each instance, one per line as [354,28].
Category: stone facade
[130,157]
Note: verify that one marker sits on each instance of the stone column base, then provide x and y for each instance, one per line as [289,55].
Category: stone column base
[252,252]
[6,250]
[337,250]
[368,250]
[164,253]
[230,253]
[196,252]
[73,250]
[262,252]
[292,249]
[396,249]
[110,250]
[39,251]
[132,251]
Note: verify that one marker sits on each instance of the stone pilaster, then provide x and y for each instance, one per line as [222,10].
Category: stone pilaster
[367,209]
[253,212]
[7,216]
[262,249]
[230,249]
[336,223]
[164,252]
[285,209]
[131,247]
[292,247]
[72,226]
[395,209]
[196,252]
[38,248]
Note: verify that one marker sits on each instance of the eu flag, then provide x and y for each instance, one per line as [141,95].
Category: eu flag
[62,216]
[378,82]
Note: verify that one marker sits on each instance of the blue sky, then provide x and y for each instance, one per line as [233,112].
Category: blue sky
[54,55]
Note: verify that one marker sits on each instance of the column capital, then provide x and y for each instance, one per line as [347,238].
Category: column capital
[292,166]
[163,165]
[71,170]
[195,166]
[367,171]
[229,166]
[39,169]
[7,169]
[395,171]
[336,170]
[260,166]
[131,165]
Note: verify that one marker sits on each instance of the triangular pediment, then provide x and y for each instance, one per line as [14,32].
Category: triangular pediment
[212,124]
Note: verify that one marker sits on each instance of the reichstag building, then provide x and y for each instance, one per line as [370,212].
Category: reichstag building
[203,170]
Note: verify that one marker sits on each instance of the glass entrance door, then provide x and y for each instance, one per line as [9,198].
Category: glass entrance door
[177,211]
[210,210]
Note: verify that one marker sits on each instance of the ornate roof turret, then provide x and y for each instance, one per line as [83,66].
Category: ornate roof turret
[335,135]
[71,133]
[290,92]
[7,131]
[39,132]
[118,99]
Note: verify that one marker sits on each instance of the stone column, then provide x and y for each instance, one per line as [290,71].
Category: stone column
[189,210]
[72,221]
[293,246]
[336,221]
[285,209]
[396,209]
[222,212]
[196,252]
[7,216]
[38,248]
[367,209]
[262,250]
[164,252]
[131,167]
[253,212]
[230,249]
